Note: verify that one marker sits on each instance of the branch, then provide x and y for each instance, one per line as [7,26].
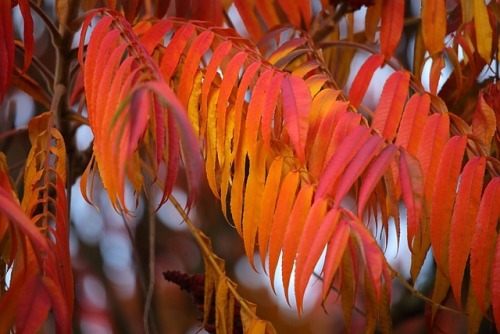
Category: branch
[208,253]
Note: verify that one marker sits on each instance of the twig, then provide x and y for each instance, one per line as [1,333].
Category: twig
[420,295]
[210,255]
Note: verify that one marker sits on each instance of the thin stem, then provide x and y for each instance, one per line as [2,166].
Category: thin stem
[151,261]
[210,255]
[420,295]
[56,36]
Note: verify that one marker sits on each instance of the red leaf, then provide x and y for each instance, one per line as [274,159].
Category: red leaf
[392,101]
[363,78]
[343,155]
[495,285]
[33,305]
[335,249]
[296,100]
[443,198]
[155,35]
[269,108]
[298,12]
[10,208]
[357,166]
[483,243]
[29,41]
[174,49]
[462,222]
[391,26]
[377,168]
[412,190]
[6,48]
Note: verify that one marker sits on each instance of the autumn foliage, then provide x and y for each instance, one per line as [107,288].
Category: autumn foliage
[277,117]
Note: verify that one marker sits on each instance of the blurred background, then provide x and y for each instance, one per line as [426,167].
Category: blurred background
[110,253]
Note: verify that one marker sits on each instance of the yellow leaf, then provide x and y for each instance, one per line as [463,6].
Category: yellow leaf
[484,33]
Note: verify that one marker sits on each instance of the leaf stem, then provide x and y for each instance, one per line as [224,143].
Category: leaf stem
[210,255]
[420,295]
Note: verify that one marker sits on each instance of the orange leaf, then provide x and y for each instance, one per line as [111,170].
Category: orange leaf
[392,101]
[483,243]
[309,249]
[198,48]
[280,220]
[250,20]
[484,121]
[298,12]
[245,81]
[174,49]
[391,26]
[226,89]
[495,285]
[293,234]
[437,66]
[319,156]
[296,100]
[434,137]
[253,190]
[155,34]
[363,78]
[255,106]
[462,222]
[413,122]
[372,19]
[434,25]
[268,199]
[484,32]
[443,198]
[268,111]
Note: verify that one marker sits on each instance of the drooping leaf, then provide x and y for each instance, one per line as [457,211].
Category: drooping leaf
[483,243]
[6,47]
[33,305]
[484,121]
[484,32]
[296,101]
[390,107]
[412,190]
[392,15]
[413,122]
[443,199]
[375,172]
[434,25]
[337,164]
[495,285]
[293,233]
[462,222]
[282,212]
[309,248]
[363,78]
[268,203]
